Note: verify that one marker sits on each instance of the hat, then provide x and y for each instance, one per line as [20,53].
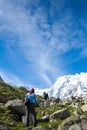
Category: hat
[32,90]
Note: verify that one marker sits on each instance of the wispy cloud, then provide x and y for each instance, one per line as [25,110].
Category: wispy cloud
[43,34]
[11,78]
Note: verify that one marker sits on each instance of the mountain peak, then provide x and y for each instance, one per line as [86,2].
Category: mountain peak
[69,85]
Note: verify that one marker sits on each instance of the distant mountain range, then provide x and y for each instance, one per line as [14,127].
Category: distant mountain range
[68,85]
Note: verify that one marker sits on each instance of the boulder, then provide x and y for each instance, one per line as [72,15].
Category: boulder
[39,128]
[16,105]
[62,114]
[75,127]
[74,122]
[2,127]
[45,118]
[84,108]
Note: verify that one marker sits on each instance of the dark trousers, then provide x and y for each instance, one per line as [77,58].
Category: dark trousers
[30,108]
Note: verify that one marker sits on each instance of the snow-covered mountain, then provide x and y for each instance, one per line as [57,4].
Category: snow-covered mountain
[68,85]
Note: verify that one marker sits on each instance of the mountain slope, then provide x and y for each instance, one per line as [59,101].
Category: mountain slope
[8,92]
[1,79]
[69,85]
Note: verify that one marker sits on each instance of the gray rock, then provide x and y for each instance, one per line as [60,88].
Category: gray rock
[84,108]
[81,122]
[39,128]
[62,114]
[75,127]
[45,118]
[16,105]
[2,127]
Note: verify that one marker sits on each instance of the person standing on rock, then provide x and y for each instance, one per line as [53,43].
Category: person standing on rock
[30,101]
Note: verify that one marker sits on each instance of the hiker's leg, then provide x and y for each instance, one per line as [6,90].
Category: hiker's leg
[27,116]
[35,120]
[34,114]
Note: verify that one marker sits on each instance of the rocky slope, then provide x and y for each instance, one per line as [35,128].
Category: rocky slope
[68,114]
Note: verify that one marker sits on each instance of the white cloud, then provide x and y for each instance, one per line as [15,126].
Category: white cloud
[46,79]
[10,78]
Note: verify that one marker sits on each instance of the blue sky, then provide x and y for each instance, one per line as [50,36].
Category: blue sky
[41,40]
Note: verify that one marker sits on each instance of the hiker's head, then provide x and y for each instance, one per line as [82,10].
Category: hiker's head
[32,90]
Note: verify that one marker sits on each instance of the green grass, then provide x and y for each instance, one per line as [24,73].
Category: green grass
[8,92]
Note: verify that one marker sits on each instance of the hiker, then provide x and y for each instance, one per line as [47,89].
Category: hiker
[30,101]
[45,97]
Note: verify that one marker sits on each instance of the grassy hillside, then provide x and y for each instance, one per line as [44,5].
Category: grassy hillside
[8,92]
[7,118]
